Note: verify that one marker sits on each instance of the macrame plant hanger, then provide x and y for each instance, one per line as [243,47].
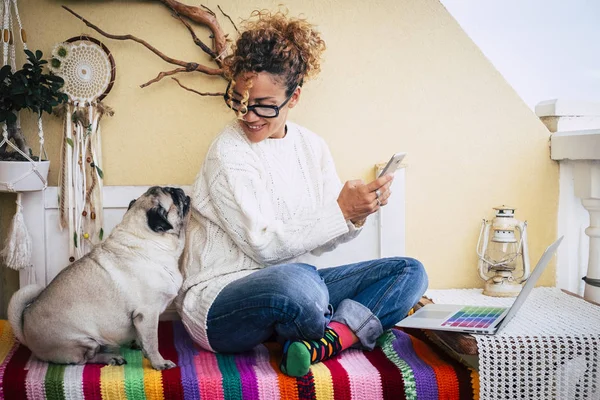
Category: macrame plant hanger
[89,71]
[17,249]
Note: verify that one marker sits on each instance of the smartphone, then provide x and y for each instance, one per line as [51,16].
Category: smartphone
[393,164]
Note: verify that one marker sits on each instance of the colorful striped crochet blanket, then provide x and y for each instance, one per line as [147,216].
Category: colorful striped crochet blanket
[404,366]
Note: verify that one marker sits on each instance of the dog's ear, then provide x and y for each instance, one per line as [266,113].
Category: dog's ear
[131,204]
[157,219]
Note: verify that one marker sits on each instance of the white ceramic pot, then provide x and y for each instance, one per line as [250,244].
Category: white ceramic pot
[15,176]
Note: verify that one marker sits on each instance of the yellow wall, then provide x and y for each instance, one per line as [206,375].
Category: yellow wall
[398,75]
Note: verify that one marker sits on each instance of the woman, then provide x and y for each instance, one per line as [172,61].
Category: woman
[267,194]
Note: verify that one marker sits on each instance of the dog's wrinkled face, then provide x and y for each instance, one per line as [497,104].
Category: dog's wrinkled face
[166,208]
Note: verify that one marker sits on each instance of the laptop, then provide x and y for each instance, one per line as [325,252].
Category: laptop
[476,319]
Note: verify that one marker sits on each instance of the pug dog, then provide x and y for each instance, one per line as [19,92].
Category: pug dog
[114,295]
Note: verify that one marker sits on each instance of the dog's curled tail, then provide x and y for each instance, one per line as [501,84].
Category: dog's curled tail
[21,299]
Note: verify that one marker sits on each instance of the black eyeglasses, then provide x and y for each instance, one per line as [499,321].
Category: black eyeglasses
[264,111]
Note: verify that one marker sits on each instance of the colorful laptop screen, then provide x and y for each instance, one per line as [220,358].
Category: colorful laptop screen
[474,317]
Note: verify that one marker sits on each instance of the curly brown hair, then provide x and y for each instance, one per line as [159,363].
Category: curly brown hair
[289,48]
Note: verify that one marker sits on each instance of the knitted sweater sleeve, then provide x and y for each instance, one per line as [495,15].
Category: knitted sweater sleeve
[244,209]
[333,186]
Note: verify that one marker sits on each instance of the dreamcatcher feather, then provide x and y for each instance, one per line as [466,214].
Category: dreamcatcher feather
[89,70]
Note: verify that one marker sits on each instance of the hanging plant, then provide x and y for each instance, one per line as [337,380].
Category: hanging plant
[28,88]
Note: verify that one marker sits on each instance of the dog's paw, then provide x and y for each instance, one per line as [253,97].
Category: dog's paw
[117,360]
[164,364]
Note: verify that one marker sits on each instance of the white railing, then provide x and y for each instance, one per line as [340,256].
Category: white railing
[575,144]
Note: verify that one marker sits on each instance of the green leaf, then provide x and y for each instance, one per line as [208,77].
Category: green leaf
[18,89]
[29,88]
[75,239]
[100,173]
[5,72]
[101,234]
[70,142]
[30,55]
[55,78]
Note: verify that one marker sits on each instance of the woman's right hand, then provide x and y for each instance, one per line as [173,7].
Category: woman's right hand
[358,200]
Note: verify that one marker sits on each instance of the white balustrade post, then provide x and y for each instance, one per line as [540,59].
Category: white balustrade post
[592,287]
[587,187]
[575,144]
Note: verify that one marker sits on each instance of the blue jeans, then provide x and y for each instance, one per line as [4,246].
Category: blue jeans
[297,301]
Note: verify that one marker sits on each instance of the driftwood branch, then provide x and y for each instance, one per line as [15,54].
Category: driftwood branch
[196,39]
[197,92]
[230,20]
[162,75]
[201,15]
[211,12]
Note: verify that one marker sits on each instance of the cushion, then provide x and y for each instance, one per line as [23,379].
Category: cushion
[405,364]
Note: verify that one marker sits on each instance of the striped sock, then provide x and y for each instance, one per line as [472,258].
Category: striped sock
[298,355]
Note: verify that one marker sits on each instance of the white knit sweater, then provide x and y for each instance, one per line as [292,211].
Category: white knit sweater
[258,204]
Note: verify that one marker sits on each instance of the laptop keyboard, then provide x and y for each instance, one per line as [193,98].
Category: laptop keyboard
[474,317]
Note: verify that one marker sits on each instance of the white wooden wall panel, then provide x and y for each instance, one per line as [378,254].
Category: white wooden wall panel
[383,234]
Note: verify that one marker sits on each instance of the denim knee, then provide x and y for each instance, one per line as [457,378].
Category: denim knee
[418,276]
[303,296]
[308,317]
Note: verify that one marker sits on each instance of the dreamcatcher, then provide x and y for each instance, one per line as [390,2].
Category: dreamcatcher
[89,71]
